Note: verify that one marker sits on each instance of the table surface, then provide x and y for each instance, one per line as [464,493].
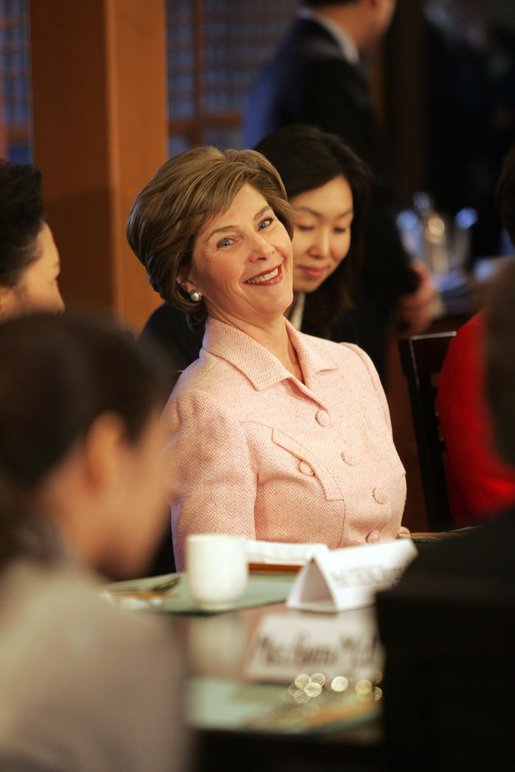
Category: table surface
[247,722]
[228,705]
[251,720]
[237,684]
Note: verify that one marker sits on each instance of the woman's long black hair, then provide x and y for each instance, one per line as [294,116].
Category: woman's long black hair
[307,158]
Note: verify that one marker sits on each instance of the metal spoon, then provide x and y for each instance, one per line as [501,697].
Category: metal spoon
[164,586]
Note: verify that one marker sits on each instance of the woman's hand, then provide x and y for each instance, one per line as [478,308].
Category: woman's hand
[415,311]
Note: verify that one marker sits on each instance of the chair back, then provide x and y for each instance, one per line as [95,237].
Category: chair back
[422,357]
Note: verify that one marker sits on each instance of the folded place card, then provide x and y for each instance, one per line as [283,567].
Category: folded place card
[348,578]
[282,553]
[284,646]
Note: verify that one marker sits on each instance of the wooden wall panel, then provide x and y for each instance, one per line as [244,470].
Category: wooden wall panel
[100,131]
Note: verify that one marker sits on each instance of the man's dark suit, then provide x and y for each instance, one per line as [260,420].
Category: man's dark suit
[310,81]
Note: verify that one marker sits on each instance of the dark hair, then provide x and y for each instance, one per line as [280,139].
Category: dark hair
[307,158]
[21,219]
[500,361]
[500,327]
[59,373]
[505,194]
[184,193]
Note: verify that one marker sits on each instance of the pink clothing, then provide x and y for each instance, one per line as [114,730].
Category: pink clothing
[260,454]
[480,484]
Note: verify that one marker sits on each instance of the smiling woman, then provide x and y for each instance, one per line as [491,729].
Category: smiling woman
[327,185]
[328,188]
[273,434]
[242,262]
[323,219]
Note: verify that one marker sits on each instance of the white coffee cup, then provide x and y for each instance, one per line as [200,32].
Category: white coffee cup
[216,569]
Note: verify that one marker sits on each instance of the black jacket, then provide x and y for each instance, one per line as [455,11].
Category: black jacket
[310,81]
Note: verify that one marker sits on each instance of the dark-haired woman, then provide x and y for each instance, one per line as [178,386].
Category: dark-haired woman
[83,685]
[327,186]
[29,260]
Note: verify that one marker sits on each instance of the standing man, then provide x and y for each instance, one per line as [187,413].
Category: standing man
[316,77]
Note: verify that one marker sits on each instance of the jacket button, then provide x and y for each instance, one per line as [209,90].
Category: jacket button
[323,418]
[305,468]
[373,537]
[349,457]
[379,495]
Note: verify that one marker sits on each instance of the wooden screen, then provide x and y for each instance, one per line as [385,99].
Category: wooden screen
[215,50]
[15,143]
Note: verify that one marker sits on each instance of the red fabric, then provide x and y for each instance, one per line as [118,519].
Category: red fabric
[479,483]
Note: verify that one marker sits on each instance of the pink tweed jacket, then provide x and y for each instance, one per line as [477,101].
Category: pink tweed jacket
[260,454]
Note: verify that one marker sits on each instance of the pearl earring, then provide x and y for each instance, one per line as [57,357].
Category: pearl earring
[195,296]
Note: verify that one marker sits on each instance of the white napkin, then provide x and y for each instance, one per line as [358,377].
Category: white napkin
[281,553]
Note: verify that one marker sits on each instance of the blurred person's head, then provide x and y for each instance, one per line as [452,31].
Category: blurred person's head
[80,442]
[500,362]
[29,260]
[500,327]
[505,194]
[463,20]
[177,223]
[328,188]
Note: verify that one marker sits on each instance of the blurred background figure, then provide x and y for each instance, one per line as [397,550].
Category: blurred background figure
[29,260]
[84,684]
[448,626]
[479,483]
[469,112]
[317,77]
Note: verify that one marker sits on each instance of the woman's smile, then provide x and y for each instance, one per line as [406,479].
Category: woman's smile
[266,278]
[241,249]
[312,272]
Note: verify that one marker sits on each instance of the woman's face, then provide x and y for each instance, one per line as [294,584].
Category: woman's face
[107,498]
[322,235]
[38,288]
[242,262]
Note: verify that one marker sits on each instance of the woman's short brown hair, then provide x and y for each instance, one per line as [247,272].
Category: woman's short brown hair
[185,192]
